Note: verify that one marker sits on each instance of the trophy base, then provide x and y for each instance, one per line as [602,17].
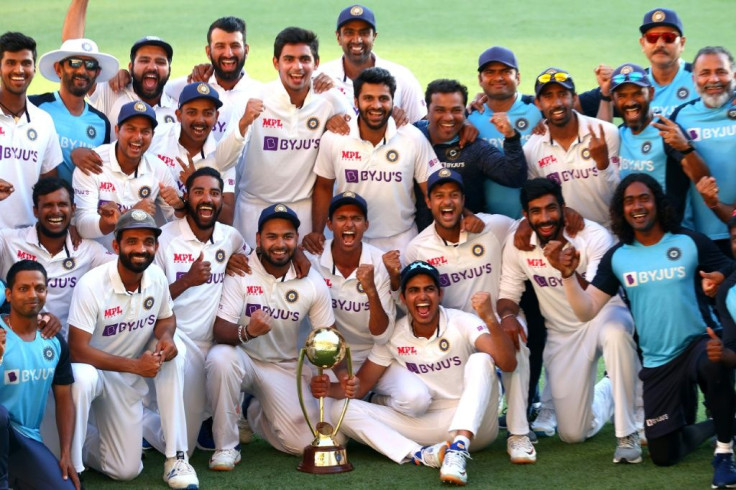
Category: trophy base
[325,460]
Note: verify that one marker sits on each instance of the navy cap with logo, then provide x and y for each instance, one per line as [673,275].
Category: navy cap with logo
[356,12]
[152,41]
[442,176]
[629,73]
[497,54]
[199,90]
[275,211]
[553,75]
[348,197]
[661,17]
[416,268]
[137,108]
[136,219]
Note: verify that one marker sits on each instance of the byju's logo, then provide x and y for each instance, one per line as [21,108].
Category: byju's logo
[250,308]
[270,143]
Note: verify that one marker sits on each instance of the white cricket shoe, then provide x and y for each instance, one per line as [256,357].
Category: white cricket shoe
[453,467]
[521,450]
[224,459]
[431,456]
[178,473]
[545,423]
[628,450]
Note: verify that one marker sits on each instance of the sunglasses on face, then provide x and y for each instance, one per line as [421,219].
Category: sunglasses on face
[667,37]
[560,76]
[89,65]
[628,77]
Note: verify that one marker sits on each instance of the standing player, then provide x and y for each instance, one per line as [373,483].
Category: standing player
[356,33]
[256,328]
[27,133]
[654,262]
[454,353]
[121,331]
[573,347]
[24,460]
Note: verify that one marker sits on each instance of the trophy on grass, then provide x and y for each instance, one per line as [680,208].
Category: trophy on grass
[324,348]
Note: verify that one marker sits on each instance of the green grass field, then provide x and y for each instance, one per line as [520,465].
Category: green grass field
[435,40]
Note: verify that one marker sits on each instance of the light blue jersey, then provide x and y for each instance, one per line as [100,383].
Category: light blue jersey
[524,116]
[680,90]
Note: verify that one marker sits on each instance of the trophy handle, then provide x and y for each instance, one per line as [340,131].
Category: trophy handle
[300,364]
[349,360]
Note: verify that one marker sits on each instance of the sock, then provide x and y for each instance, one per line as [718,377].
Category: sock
[724,447]
[461,441]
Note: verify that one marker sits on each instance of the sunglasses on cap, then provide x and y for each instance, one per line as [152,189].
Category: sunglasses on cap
[560,76]
[667,37]
[89,65]
[628,77]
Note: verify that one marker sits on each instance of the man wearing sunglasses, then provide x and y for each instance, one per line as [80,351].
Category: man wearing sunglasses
[78,64]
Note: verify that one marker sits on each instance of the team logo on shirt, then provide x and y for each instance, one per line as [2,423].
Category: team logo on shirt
[392,156]
[68,263]
[585,153]
[521,124]
[452,153]
[291,296]
[646,147]
[478,250]
[91,131]
[32,134]
[359,287]
[674,253]
[48,353]
[312,123]
[144,192]
[148,303]
[12,376]
[682,93]
[220,256]
[169,119]
[731,114]
[658,16]
[444,345]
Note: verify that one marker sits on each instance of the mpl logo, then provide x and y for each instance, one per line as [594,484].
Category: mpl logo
[23,255]
[183,258]
[272,123]
[111,312]
[254,290]
[536,263]
[545,161]
[435,261]
[107,186]
[12,376]
[251,308]
[406,350]
[351,156]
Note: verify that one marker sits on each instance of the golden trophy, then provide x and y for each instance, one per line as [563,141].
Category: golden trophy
[324,348]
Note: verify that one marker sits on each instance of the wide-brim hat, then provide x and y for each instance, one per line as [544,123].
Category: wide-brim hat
[78,47]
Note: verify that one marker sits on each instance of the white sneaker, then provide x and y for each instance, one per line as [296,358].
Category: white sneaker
[545,423]
[431,456]
[628,450]
[521,450]
[245,433]
[224,459]
[453,467]
[178,473]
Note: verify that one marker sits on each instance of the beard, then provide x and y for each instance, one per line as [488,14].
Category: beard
[133,267]
[202,224]
[227,75]
[138,87]
[50,234]
[544,239]
[717,100]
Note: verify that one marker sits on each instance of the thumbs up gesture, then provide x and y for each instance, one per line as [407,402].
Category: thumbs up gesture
[199,272]
[714,347]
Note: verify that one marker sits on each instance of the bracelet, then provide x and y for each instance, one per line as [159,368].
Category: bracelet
[247,335]
[689,150]
[607,98]
[507,315]
[242,329]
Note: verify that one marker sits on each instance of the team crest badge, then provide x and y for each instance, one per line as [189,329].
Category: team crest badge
[658,16]
[444,345]
[203,88]
[392,156]
[359,287]
[148,303]
[292,296]
[626,70]
[646,147]
[357,10]
[348,194]
[220,256]
[682,93]
[86,47]
[169,119]
[144,192]
[280,208]
[139,107]
[478,250]
[48,353]
[585,153]
[312,123]
[32,134]
[521,124]
[444,173]
[138,215]
[68,263]
[731,114]
[91,131]
[673,253]
[452,153]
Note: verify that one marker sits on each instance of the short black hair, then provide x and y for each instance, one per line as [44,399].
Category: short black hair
[714,50]
[17,41]
[445,86]
[296,35]
[47,185]
[227,24]
[207,172]
[666,214]
[374,75]
[24,265]
[536,188]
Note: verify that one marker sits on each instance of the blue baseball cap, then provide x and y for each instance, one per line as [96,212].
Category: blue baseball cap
[199,90]
[137,108]
[556,75]
[442,176]
[498,54]
[629,73]
[661,17]
[416,268]
[356,12]
[275,211]
[152,41]
[348,197]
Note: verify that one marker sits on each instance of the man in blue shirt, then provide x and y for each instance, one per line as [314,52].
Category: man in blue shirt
[77,65]
[31,365]
[655,262]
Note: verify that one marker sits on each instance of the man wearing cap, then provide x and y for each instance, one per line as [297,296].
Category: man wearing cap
[256,331]
[577,151]
[454,354]
[27,134]
[78,64]
[656,147]
[121,331]
[356,33]
[179,144]
[662,42]
[376,160]
[467,263]
[129,178]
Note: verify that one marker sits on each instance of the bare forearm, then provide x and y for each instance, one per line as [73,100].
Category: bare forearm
[378,319]
[64,417]
[74,22]
[103,360]
[165,327]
